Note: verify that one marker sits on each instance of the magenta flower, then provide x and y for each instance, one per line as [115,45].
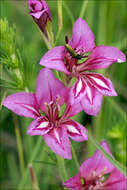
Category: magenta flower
[50,96]
[89,87]
[97,173]
[40,12]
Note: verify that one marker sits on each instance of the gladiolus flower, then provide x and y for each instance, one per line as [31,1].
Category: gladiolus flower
[97,173]
[40,12]
[75,59]
[51,95]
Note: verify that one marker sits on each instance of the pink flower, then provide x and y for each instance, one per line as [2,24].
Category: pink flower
[40,12]
[49,97]
[97,173]
[89,87]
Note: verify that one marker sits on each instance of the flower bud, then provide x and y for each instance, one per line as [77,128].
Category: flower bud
[40,12]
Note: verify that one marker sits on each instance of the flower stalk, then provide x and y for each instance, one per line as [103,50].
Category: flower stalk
[75,158]
[19,144]
[60,18]
[62,168]
[84,5]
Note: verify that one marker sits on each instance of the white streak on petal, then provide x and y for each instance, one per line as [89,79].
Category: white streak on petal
[30,108]
[100,82]
[78,87]
[72,129]
[57,135]
[89,94]
[43,125]
[120,61]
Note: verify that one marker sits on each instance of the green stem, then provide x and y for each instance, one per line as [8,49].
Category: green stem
[34,155]
[75,158]
[119,166]
[84,5]
[49,46]
[19,144]
[57,36]
[62,169]
[60,15]
[69,12]
[47,43]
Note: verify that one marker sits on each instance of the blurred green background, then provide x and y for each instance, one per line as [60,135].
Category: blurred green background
[108,21]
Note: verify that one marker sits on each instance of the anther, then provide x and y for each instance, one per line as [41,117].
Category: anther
[66,39]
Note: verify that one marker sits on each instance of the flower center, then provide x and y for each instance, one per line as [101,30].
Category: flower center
[94,182]
[52,110]
[74,61]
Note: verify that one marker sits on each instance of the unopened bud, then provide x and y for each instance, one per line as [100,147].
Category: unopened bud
[40,12]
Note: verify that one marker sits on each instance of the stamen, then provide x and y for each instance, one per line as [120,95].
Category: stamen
[46,104]
[57,99]
[66,39]
[53,109]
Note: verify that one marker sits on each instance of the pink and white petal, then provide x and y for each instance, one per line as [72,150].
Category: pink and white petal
[23,104]
[48,88]
[101,83]
[92,101]
[103,56]
[73,183]
[116,181]
[79,87]
[59,142]
[77,91]
[74,109]
[54,59]
[76,131]
[40,126]
[82,38]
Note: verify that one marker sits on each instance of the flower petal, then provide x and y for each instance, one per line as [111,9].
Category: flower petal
[54,59]
[48,88]
[102,163]
[58,141]
[116,181]
[40,126]
[73,183]
[103,56]
[82,38]
[74,109]
[79,87]
[34,5]
[92,101]
[37,15]
[76,131]
[23,104]
[97,164]
[102,84]
[38,8]
[77,91]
